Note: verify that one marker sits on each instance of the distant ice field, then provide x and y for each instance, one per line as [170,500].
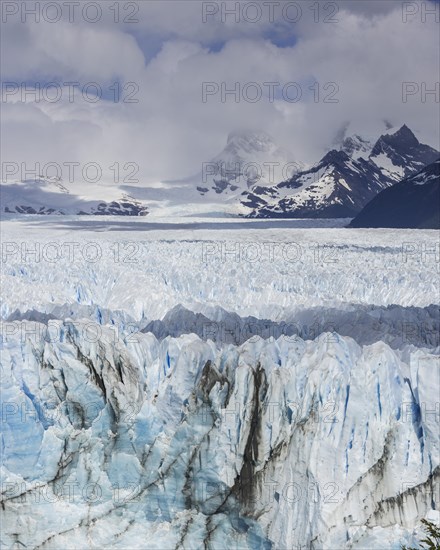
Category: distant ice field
[263,268]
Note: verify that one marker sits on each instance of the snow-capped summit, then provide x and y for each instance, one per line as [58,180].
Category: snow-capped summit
[356,146]
[400,154]
[249,158]
[250,142]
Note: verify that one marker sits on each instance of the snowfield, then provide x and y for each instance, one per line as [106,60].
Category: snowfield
[202,383]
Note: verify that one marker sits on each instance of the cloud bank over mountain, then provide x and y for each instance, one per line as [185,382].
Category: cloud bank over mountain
[362,48]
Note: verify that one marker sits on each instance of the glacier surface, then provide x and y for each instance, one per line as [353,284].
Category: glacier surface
[125,426]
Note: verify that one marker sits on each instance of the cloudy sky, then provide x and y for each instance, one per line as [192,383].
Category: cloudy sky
[348,60]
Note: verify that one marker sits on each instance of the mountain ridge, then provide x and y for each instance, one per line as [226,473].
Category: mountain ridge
[251,177]
[340,184]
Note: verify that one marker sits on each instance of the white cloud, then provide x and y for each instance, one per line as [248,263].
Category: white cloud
[170,131]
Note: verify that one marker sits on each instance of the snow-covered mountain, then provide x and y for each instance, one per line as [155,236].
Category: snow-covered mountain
[412,203]
[249,159]
[252,176]
[400,154]
[337,187]
[50,195]
[344,181]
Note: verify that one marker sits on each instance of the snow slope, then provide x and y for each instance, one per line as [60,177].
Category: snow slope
[50,195]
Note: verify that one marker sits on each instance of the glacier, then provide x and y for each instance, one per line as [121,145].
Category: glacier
[123,426]
[270,444]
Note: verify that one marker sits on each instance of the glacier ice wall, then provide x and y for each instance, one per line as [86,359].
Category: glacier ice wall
[177,443]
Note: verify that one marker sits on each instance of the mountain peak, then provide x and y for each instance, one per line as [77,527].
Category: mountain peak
[334,157]
[356,146]
[405,131]
[394,152]
[257,140]
[403,136]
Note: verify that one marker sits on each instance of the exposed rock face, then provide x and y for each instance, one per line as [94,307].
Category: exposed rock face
[411,203]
